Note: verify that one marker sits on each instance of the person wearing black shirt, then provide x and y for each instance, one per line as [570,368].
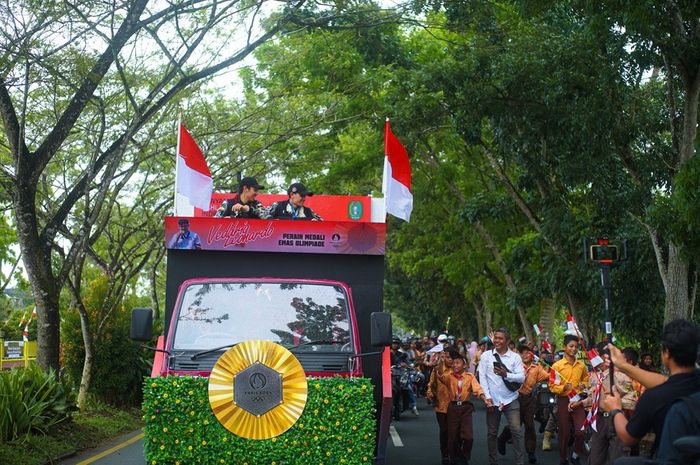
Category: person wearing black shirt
[679,351]
[293,208]
[244,205]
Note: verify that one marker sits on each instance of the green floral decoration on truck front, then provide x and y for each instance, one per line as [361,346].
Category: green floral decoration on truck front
[337,427]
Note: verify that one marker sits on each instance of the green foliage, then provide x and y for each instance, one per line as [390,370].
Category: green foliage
[32,401]
[119,364]
[337,426]
[11,330]
[87,430]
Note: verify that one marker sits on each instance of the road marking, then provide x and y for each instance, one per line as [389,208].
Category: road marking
[394,437]
[112,450]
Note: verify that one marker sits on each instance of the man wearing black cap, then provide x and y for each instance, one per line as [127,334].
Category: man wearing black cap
[294,209]
[244,204]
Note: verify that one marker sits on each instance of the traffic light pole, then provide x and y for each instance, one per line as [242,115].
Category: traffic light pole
[605,281]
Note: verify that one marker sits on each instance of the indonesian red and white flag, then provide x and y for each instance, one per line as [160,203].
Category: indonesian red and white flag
[571,324]
[574,396]
[192,178]
[25,332]
[396,182]
[547,346]
[594,357]
[554,376]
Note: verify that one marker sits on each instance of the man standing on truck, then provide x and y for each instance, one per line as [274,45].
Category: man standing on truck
[244,205]
[293,208]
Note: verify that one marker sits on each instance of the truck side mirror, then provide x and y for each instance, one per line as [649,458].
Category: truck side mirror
[380,329]
[141,324]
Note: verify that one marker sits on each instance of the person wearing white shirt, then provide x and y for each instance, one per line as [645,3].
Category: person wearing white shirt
[500,399]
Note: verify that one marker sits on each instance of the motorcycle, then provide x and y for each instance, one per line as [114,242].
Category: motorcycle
[402,379]
[545,405]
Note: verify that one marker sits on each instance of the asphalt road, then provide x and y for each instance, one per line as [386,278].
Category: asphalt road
[414,440]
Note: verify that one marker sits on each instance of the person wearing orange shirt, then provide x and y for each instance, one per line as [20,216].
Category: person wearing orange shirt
[534,374]
[461,385]
[439,395]
[573,376]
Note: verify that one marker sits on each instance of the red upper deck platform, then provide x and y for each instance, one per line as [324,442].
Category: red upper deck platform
[346,228]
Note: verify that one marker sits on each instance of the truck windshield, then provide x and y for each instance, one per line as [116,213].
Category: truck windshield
[290,314]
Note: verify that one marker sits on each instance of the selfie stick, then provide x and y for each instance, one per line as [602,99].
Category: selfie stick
[605,281]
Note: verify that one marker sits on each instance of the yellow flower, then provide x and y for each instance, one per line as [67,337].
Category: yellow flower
[175,383]
[354,428]
[317,386]
[153,462]
[341,409]
[328,454]
[177,441]
[325,401]
[204,443]
[189,447]
[162,447]
[165,430]
[154,384]
[337,423]
[165,395]
[341,387]
[206,422]
[190,392]
[177,401]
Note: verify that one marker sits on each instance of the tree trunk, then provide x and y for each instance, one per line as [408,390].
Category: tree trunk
[510,284]
[36,256]
[86,378]
[478,311]
[677,291]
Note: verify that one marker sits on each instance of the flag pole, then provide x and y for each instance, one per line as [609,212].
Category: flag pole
[177,162]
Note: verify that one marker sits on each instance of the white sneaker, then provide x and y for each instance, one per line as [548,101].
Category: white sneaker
[415,410]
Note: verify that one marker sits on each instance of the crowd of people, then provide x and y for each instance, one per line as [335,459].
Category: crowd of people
[628,421]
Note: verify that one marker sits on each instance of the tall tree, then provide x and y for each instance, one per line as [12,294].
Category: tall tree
[62,64]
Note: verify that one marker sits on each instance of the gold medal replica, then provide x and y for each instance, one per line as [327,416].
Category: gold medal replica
[257,389]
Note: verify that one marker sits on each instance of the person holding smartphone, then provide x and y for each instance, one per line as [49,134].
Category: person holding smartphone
[497,366]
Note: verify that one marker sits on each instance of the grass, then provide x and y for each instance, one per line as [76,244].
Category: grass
[86,430]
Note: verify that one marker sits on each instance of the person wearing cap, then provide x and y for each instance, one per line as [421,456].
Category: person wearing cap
[244,205]
[461,385]
[185,239]
[293,208]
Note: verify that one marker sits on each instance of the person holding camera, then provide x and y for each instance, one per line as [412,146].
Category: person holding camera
[679,353]
[501,374]
[574,378]
[534,374]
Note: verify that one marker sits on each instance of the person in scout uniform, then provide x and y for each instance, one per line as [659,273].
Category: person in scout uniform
[439,395]
[572,379]
[461,385]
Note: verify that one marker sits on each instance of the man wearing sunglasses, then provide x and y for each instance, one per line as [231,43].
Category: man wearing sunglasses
[294,209]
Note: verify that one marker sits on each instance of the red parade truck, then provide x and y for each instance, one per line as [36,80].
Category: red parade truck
[314,287]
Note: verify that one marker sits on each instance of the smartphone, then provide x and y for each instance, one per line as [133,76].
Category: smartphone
[498,365]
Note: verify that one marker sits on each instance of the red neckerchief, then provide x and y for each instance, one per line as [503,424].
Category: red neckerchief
[459,384]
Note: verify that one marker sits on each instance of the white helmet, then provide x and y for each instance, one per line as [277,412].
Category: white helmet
[442,338]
